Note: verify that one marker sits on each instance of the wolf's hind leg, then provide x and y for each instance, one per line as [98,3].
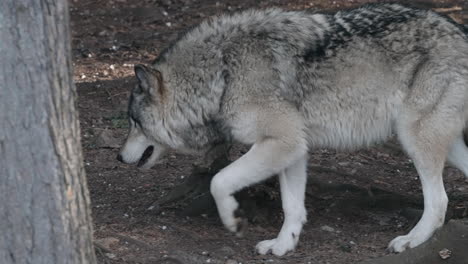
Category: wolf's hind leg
[458,155]
[293,183]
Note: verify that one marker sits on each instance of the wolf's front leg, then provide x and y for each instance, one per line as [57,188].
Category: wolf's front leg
[264,159]
[292,182]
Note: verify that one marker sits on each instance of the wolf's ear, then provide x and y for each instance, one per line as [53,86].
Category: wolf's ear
[141,72]
[150,81]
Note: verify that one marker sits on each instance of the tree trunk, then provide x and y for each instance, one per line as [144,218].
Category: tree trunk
[44,201]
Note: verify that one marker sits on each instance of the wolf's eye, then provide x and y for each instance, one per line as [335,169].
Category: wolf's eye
[136,121]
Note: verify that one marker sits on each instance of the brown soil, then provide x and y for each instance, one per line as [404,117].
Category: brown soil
[357,202]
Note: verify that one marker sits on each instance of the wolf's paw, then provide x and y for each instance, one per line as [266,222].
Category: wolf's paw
[231,216]
[236,224]
[278,247]
[401,243]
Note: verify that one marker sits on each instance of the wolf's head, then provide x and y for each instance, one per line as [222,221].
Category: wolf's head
[147,134]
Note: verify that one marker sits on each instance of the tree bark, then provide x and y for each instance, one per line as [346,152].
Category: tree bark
[44,200]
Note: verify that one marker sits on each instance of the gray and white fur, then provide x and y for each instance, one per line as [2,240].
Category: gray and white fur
[286,82]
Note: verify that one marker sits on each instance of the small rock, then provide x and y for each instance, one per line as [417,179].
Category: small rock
[112,67]
[86,54]
[228,251]
[111,255]
[345,247]
[327,228]
[155,208]
[445,253]
[384,221]
[230,261]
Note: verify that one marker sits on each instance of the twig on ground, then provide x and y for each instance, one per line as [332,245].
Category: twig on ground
[134,241]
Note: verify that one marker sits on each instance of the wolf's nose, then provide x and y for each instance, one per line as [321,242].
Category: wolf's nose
[119,158]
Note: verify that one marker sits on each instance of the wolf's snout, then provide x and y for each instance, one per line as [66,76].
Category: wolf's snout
[119,157]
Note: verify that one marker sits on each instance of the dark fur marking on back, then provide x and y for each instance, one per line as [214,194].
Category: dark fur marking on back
[375,22]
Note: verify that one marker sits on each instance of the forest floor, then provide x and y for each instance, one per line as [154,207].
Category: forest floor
[357,202]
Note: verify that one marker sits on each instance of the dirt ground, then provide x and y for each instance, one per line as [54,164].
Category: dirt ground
[357,202]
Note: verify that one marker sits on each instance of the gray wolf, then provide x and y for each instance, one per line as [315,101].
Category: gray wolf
[286,82]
